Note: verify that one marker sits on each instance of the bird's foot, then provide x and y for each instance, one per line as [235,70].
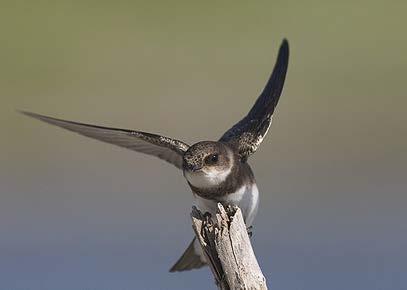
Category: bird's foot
[250,231]
[207,217]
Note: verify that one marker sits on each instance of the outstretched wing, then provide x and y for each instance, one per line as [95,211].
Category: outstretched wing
[249,132]
[162,147]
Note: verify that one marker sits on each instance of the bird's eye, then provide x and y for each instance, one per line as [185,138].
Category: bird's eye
[212,159]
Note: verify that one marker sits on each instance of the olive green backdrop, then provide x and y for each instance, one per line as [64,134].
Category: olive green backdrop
[79,214]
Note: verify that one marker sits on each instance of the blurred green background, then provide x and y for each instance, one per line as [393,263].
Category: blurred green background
[79,214]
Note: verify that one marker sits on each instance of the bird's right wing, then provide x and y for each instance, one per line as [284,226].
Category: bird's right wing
[165,148]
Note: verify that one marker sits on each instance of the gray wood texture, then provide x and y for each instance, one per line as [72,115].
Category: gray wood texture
[227,248]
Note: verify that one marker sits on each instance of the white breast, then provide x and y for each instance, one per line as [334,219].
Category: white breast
[207,178]
[246,197]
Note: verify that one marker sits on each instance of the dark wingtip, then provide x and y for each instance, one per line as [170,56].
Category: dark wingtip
[284,43]
[284,50]
[34,115]
[270,96]
[23,112]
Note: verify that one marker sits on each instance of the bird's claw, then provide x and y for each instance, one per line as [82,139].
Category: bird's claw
[207,217]
[250,231]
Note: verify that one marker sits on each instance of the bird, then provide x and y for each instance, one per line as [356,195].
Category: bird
[216,171]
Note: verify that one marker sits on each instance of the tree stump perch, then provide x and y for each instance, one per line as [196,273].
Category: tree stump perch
[227,248]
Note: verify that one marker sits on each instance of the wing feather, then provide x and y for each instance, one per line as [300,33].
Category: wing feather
[165,148]
[248,133]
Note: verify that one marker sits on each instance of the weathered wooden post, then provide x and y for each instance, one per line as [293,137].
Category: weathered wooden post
[227,248]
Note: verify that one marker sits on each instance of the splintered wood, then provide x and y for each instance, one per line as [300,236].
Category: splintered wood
[227,248]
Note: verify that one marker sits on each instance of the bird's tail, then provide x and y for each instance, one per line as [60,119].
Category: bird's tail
[191,259]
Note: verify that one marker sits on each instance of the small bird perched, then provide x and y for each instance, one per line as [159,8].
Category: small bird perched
[216,171]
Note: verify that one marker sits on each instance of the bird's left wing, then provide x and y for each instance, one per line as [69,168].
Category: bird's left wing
[165,148]
[248,133]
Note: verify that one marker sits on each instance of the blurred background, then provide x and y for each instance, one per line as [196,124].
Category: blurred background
[80,214]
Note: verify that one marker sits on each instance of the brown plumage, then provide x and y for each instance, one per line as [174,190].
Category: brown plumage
[216,171]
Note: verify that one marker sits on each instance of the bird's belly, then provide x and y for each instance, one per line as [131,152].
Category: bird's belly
[246,198]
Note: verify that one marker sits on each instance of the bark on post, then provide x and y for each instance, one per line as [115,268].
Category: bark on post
[227,248]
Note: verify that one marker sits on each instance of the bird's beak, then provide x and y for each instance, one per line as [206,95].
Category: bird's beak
[194,168]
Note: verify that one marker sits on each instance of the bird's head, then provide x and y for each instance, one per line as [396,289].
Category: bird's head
[207,164]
